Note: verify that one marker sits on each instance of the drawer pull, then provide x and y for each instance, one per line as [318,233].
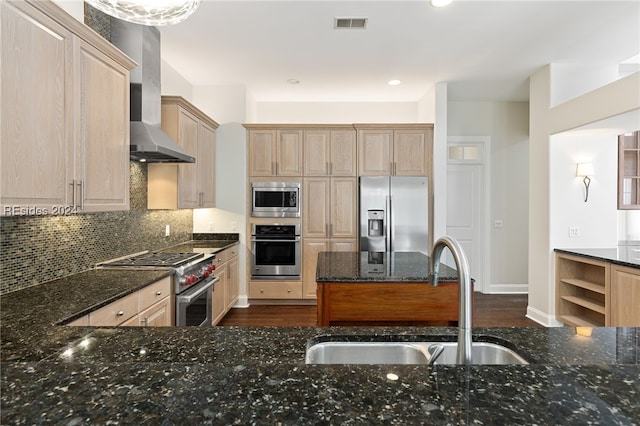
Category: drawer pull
[158,293]
[262,290]
[120,313]
[288,290]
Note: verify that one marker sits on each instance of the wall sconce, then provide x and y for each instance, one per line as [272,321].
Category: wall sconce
[586,170]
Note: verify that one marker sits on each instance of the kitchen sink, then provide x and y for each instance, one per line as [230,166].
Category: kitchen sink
[395,352]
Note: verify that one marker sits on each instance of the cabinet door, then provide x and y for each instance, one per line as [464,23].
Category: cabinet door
[104,132]
[207,165]
[344,204]
[310,251]
[188,130]
[316,152]
[218,296]
[289,153]
[629,171]
[262,152]
[625,297]
[158,315]
[375,152]
[315,203]
[37,109]
[410,153]
[343,153]
[347,244]
[233,274]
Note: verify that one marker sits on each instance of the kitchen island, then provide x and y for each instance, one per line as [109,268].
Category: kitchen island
[372,288]
[55,374]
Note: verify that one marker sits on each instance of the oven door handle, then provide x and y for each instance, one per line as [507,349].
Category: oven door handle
[290,240]
[188,298]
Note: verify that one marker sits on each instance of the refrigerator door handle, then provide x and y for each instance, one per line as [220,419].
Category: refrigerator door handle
[389,244]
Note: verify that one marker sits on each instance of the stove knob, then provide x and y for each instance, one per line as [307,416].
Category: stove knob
[205,274]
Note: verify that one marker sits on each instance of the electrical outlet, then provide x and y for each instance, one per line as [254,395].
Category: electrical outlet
[167,230]
[212,226]
[497,224]
[234,226]
[574,232]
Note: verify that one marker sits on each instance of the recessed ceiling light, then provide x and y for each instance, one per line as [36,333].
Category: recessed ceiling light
[394,82]
[293,81]
[440,3]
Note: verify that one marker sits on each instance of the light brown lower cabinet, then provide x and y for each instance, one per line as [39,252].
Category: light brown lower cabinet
[625,296]
[310,250]
[151,306]
[596,293]
[265,289]
[225,291]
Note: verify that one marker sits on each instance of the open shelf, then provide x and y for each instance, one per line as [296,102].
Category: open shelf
[582,294]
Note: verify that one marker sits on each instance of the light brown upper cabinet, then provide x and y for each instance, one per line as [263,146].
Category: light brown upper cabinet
[330,207]
[330,151]
[629,171]
[395,150]
[189,185]
[64,113]
[275,151]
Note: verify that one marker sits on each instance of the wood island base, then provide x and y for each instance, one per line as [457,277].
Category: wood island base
[387,303]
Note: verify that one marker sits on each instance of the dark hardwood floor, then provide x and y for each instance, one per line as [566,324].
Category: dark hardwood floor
[490,310]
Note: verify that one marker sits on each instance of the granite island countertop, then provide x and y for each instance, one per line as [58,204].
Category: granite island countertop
[366,266]
[624,255]
[257,375]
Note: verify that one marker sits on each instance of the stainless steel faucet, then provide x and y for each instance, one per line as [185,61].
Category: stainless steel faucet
[463,355]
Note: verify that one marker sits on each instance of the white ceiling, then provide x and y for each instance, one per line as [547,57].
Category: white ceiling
[485,50]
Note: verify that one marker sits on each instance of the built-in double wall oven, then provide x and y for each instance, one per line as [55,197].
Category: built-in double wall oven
[275,251]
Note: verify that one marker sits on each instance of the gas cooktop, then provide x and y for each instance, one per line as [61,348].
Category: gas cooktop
[172,260]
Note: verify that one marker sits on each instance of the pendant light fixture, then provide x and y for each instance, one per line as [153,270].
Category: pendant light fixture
[148,12]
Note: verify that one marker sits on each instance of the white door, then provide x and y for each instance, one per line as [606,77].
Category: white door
[466,204]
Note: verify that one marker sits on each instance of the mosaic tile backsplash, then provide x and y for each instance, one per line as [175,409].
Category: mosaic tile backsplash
[35,249]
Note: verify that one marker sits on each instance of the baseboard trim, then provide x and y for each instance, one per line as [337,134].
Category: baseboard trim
[508,289]
[542,318]
[242,302]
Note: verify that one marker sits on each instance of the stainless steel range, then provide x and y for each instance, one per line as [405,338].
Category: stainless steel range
[193,281]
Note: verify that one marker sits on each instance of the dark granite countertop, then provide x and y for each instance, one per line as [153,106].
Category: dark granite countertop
[257,375]
[625,255]
[378,267]
[201,246]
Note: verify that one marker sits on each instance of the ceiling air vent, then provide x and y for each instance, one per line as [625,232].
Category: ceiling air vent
[348,23]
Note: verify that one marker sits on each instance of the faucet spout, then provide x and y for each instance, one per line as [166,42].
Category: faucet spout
[463,355]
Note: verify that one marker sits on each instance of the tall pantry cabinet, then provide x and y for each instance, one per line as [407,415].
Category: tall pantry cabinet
[64,114]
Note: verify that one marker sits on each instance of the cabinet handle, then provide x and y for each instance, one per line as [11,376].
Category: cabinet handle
[144,322]
[158,293]
[73,193]
[288,290]
[327,168]
[81,185]
[274,170]
[261,290]
[120,313]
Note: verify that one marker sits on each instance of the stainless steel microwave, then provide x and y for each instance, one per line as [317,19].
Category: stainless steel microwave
[275,199]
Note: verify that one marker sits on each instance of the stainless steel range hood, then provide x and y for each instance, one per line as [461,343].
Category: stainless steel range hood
[148,142]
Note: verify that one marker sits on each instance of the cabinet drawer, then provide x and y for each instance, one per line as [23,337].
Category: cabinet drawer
[275,290]
[231,252]
[115,313]
[153,293]
[221,257]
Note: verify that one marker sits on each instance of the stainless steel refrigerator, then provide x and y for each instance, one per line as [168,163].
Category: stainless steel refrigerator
[394,214]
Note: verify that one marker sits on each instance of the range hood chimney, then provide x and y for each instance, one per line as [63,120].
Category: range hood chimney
[148,142]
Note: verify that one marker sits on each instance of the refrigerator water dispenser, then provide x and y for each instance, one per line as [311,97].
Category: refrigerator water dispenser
[376,223]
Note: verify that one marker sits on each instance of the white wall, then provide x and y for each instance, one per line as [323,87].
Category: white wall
[596,218]
[608,101]
[172,83]
[74,8]
[507,126]
[568,81]
[336,112]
